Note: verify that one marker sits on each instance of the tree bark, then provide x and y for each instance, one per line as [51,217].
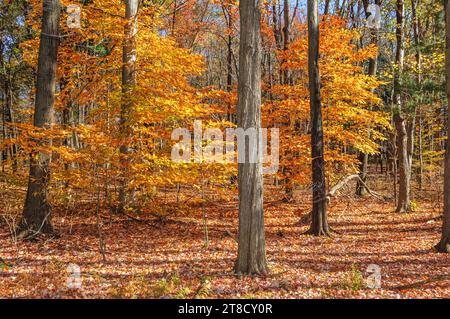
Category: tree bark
[251,248]
[286,39]
[444,244]
[364,157]
[7,114]
[276,26]
[363,166]
[4,151]
[288,183]
[229,21]
[37,211]
[319,223]
[417,41]
[404,168]
[128,84]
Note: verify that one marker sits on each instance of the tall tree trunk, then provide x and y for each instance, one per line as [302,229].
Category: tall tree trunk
[444,244]
[417,42]
[230,116]
[251,251]
[128,84]
[7,114]
[286,38]
[276,25]
[37,211]
[364,157]
[229,20]
[288,183]
[4,151]
[404,168]
[319,223]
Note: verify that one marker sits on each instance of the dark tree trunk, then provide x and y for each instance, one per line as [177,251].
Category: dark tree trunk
[288,183]
[444,243]
[7,114]
[417,41]
[37,211]
[319,224]
[128,83]
[327,7]
[174,16]
[363,166]
[10,120]
[251,251]
[231,117]
[4,151]
[229,20]
[276,26]
[286,39]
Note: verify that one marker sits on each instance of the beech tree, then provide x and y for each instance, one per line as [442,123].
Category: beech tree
[37,211]
[319,222]
[128,83]
[402,127]
[251,251]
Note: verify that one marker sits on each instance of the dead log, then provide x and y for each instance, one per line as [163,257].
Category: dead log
[306,219]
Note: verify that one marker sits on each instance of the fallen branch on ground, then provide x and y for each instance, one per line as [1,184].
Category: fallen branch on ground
[345,181]
[308,217]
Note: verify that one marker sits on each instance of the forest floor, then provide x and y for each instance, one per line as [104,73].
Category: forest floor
[169,258]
